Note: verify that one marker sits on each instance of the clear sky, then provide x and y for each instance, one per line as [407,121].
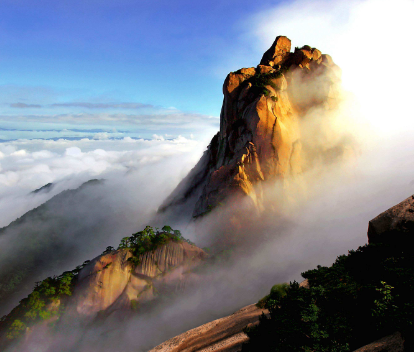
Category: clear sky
[90,56]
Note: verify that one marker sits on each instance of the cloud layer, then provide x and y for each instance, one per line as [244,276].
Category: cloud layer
[26,165]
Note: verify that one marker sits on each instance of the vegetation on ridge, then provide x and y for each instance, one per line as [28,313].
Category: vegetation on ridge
[260,80]
[41,234]
[363,296]
[48,299]
[148,240]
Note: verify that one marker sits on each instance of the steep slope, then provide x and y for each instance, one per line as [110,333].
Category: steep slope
[260,135]
[43,238]
[224,334]
[111,282]
[366,295]
[148,265]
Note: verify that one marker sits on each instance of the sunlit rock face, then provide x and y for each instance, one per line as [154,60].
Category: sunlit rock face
[261,128]
[110,282]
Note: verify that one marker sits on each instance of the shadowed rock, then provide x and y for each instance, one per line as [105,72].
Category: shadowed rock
[393,225]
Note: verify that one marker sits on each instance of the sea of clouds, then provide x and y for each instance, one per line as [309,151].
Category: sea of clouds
[369,40]
[27,165]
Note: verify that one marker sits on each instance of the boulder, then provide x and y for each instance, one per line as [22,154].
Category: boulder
[277,52]
[393,225]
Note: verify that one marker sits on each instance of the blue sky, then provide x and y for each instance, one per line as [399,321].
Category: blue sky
[157,53]
[139,68]
[96,76]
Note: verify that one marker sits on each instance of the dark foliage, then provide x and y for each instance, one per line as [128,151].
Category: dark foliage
[363,296]
[261,80]
[148,240]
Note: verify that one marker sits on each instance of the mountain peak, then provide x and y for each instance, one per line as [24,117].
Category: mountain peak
[262,128]
[276,54]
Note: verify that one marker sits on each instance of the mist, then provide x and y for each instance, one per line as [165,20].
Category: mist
[318,217]
[70,223]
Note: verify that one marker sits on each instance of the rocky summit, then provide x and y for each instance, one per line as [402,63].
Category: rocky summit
[260,135]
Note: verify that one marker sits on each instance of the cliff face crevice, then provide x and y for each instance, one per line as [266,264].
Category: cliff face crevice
[260,135]
[111,282]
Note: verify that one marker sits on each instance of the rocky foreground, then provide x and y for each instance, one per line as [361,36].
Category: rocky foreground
[224,334]
[394,226]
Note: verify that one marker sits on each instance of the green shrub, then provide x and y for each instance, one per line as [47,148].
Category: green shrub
[16,329]
[363,296]
[148,240]
[134,305]
[260,80]
[36,306]
[276,293]
[49,296]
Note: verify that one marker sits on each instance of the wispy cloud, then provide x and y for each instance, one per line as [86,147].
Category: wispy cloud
[26,165]
[86,105]
[24,105]
[151,120]
[104,105]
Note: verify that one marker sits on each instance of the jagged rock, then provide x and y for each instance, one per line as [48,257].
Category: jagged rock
[260,134]
[111,282]
[393,225]
[277,52]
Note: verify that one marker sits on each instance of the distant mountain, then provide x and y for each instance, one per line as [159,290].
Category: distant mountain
[44,189]
[48,238]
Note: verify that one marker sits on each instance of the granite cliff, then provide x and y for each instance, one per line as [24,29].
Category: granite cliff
[146,266]
[111,282]
[260,135]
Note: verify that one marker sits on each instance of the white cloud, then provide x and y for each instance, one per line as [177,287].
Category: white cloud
[27,165]
[101,135]
[367,39]
[157,137]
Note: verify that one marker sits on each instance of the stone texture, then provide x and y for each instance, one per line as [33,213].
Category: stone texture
[110,282]
[277,52]
[224,334]
[391,343]
[393,225]
[260,136]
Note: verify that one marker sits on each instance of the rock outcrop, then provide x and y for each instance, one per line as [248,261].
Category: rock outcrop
[393,225]
[260,134]
[111,282]
[224,334]
[149,265]
[391,343]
